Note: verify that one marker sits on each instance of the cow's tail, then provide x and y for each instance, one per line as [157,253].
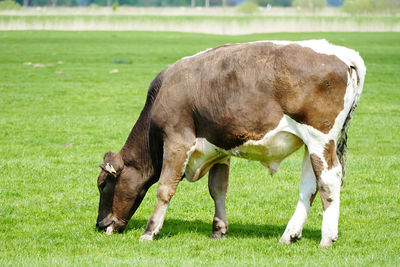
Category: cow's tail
[357,74]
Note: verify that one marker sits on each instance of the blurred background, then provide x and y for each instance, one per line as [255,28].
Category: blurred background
[205,16]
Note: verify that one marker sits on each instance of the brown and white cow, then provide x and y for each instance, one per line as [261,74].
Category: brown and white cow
[260,101]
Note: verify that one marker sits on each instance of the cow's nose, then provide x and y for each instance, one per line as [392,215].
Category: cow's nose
[97,224]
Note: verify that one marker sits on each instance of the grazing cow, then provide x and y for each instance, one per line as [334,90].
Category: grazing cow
[260,101]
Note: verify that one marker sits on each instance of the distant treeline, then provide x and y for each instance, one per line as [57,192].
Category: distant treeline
[137,2]
[247,7]
[161,2]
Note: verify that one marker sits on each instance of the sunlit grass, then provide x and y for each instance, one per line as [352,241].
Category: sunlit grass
[48,194]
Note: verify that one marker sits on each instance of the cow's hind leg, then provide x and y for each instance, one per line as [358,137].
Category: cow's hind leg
[308,189]
[218,186]
[174,158]
[328,172]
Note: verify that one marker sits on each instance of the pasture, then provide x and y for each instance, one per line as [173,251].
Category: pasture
[68,97]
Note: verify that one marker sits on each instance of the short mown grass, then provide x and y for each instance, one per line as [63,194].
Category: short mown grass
[59,117]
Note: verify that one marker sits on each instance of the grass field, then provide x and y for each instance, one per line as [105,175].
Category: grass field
[60,114]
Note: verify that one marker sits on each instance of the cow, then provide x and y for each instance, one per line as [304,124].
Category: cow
[259,101]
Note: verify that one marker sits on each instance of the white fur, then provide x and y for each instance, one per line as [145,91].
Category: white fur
[270,150]
[158,219]
[200,156]
[198,53]
[308,187]
[331,179]
[322,46]
[189,154]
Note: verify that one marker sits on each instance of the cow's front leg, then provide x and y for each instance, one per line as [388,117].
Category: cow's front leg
[218,185]
[308,189]
[329,177]
[175,155]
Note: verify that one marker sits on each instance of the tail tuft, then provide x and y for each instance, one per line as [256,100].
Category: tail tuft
[341,146]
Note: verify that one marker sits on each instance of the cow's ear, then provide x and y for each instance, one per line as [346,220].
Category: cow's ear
[113,164]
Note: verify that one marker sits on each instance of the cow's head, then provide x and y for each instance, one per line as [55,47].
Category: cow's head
[122,189]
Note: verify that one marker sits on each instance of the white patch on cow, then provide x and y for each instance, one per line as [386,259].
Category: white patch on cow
[322,46]
[349,98]
[272,148]
[270,151]
[332,180]
[189,153]
[198,53]
[158,219]
[272,166]
[308,187]
[200,158]
[110,229]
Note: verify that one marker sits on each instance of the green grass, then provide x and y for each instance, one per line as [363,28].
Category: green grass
[48,194]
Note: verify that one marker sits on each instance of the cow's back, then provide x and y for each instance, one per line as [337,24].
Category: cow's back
[235,93]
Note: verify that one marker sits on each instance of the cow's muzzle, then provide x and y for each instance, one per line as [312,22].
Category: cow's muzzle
[112,224]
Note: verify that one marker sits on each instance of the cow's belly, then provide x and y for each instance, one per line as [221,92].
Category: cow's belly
[270,151]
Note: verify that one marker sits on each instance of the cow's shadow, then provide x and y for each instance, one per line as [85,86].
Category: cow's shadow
[174,227]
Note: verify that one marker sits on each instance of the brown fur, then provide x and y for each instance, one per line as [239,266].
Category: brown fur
[317,164]
[240,92]
[325,193]
[218,185]
[330,155]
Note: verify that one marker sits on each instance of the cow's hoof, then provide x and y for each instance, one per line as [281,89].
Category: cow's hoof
[146,237]
[289,239]
[327,242]
[220,228]
[218,235]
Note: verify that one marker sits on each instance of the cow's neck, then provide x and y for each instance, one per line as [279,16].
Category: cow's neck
[136,151]
[143,148]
